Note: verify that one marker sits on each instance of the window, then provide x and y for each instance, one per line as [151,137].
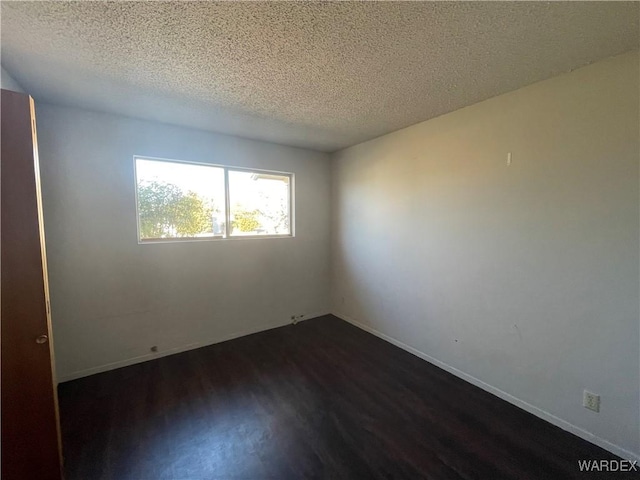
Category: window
[259,203]
[194,201]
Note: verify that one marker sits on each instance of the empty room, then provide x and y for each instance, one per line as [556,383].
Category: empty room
[320,240]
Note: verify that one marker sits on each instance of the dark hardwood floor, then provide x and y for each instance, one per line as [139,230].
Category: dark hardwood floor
[321,399]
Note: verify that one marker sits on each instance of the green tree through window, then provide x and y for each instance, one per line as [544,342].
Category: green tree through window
[167,211]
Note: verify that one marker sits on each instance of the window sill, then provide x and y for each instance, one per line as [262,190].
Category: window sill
[150,241]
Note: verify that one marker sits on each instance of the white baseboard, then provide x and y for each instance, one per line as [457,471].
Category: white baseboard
[538,412]
[172,351]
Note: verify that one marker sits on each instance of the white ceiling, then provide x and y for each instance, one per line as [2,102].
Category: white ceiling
[316,75]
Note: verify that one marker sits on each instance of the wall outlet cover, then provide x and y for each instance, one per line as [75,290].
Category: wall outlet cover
[591,401]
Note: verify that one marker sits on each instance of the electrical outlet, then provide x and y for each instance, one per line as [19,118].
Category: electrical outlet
[591,401]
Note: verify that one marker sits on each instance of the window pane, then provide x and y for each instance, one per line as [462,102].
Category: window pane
[259,203]
[179,200]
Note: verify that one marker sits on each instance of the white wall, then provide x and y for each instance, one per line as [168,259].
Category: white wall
[524,278]
[112,299]
[8,82]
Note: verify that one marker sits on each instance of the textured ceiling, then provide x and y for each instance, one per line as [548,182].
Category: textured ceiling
[316,75]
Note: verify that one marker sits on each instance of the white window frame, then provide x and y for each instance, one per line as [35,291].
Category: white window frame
[227,207]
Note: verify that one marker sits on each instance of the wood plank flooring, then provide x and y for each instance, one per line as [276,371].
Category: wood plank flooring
[321,399]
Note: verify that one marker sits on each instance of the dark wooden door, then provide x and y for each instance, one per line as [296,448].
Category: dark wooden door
[30,426]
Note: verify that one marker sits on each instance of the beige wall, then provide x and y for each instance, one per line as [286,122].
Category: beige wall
[8,82]
[112,299]
[523,278]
